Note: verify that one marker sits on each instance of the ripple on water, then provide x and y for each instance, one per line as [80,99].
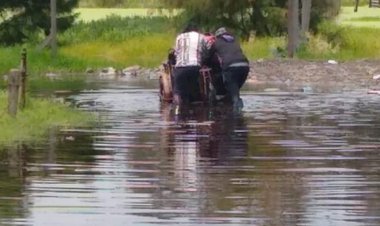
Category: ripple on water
[289,159]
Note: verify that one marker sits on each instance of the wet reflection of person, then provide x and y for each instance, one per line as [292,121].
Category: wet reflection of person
[215,133]
[225,137]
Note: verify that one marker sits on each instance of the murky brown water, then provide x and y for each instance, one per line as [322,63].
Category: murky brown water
[289,159]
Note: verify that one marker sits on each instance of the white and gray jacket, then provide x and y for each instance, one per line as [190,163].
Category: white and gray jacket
[190,49]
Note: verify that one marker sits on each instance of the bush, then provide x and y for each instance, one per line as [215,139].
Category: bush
[120,3]
[333,33]
[115,29]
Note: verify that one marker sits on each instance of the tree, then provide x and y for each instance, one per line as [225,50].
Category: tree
[265,17]
[306,15]
[293,27]
[29,17]
[356,5]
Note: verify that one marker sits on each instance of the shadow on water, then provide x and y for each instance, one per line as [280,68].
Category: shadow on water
[289,158]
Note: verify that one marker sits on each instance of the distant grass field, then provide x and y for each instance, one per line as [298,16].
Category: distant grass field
[365,17]
[93,14]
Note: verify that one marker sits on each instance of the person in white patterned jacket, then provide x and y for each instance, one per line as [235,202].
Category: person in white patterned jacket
[190,53]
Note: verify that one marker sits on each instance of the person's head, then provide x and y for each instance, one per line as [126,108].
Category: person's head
[220,31]
[190,27]
[223,34]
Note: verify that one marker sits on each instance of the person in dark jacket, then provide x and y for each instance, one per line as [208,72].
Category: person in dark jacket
[234,64]
[212,61]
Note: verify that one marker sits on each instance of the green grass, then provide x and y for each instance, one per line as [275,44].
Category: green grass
[349,18]
[113,41]
[147,51]
[365,19]
[263,47]
[32,124]
[120,4]
[353,43]
[116,29]
[39,61]
[9,58]
[94,14]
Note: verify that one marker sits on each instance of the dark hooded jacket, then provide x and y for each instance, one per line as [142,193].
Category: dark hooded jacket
[228,50]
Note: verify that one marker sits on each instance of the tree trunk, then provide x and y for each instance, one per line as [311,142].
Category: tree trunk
[356,5]
[53,28]
[293,27]
[306,14]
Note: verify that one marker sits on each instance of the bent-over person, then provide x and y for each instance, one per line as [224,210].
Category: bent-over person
[189,49]
[235,65]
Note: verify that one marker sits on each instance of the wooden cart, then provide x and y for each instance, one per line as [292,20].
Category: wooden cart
[207,93]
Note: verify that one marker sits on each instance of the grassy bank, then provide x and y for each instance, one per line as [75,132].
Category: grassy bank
[114,41]
[32,124]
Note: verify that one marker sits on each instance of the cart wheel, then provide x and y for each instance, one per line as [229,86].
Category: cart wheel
[166,87]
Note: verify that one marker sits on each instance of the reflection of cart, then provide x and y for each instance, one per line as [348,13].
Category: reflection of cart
[206,90]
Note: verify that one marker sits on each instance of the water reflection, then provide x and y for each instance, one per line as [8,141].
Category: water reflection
[199,137]
[12,179]
[216,133]
[288,159]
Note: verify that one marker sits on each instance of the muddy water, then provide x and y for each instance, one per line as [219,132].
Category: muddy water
[290,158]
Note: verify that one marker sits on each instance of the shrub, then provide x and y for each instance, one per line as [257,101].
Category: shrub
[333,33]
[115,29]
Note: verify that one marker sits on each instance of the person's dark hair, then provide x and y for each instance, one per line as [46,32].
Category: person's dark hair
[190,27]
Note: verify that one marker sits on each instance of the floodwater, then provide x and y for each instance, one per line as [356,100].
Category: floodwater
[290,158]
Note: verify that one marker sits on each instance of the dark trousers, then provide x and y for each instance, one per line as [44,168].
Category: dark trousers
[217,81]
[234,78]
[186,84]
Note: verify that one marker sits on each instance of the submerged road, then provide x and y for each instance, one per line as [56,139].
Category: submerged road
[290,158]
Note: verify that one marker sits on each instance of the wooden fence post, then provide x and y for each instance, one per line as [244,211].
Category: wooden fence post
[23,79]
[13,91]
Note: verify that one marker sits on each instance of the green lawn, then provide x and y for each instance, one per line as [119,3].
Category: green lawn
[91,14]
[365,17]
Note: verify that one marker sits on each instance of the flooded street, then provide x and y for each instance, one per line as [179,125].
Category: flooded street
[291,158]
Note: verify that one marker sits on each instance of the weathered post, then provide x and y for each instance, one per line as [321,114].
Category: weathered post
[293,27]
[17,160]
[23,79]
[13,91]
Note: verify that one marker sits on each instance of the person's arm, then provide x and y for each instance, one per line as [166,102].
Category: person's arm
[171,57]
[207,50]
